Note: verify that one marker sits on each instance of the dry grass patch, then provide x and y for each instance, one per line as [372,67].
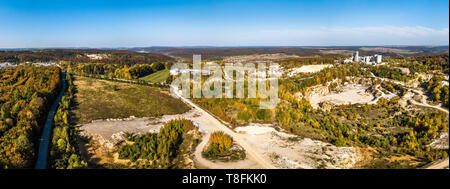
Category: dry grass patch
[101,99]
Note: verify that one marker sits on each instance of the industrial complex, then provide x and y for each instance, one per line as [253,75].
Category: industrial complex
[373,60]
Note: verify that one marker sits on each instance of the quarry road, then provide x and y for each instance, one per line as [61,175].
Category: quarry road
[440,164]
[438,107]
[424,100]
[421,93]
[214,124]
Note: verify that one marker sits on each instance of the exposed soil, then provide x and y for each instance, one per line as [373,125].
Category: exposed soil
[293,152]
[308,69]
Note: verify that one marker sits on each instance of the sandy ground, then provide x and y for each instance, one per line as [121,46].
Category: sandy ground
[439,164]
[111,131]
[349,94]
[289,151]
[97,56]
[308,69]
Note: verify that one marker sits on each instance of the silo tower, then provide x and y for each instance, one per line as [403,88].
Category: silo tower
[356,56]
[379,58]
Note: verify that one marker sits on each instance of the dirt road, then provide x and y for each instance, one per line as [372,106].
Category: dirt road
[440,164]
[212,124]
[421,93]
[425,103]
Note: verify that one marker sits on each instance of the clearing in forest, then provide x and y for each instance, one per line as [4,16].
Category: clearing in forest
[157,77]
[101,99]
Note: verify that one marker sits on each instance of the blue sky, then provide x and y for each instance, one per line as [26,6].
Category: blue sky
[83,23]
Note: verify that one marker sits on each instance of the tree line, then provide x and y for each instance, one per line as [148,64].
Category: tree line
[119,57]
[26,94]
[116,71]
[423,64]
[64,152]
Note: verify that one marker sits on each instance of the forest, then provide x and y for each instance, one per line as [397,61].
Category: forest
[394,88]
[26,93]
[119,57]
[390,73]
[423,64]
[117,71]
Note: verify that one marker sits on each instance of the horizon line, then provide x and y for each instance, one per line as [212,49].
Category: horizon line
[219,46]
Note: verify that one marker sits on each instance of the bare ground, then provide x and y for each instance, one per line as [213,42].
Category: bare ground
[348,94]
[289,151]
[308,69]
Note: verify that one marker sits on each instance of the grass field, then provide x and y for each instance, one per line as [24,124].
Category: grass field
[157,77]
[101,99]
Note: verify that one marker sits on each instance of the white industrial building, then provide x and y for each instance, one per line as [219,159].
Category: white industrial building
[373,60]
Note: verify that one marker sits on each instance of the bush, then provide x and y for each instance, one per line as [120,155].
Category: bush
[220,147]
[244,116]
[219,142]
[263,114]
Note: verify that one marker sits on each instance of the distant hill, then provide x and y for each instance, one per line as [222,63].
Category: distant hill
[123,57]
[145,55]
[217,53]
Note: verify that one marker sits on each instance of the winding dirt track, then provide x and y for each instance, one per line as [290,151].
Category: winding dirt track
[424,100]
[421,93]
[215,125]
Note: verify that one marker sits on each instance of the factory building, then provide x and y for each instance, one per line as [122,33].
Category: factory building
[356,57]
[377,58]
[373,60]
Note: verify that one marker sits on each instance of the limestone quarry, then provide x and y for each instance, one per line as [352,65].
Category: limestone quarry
[358,92]
[291,152]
